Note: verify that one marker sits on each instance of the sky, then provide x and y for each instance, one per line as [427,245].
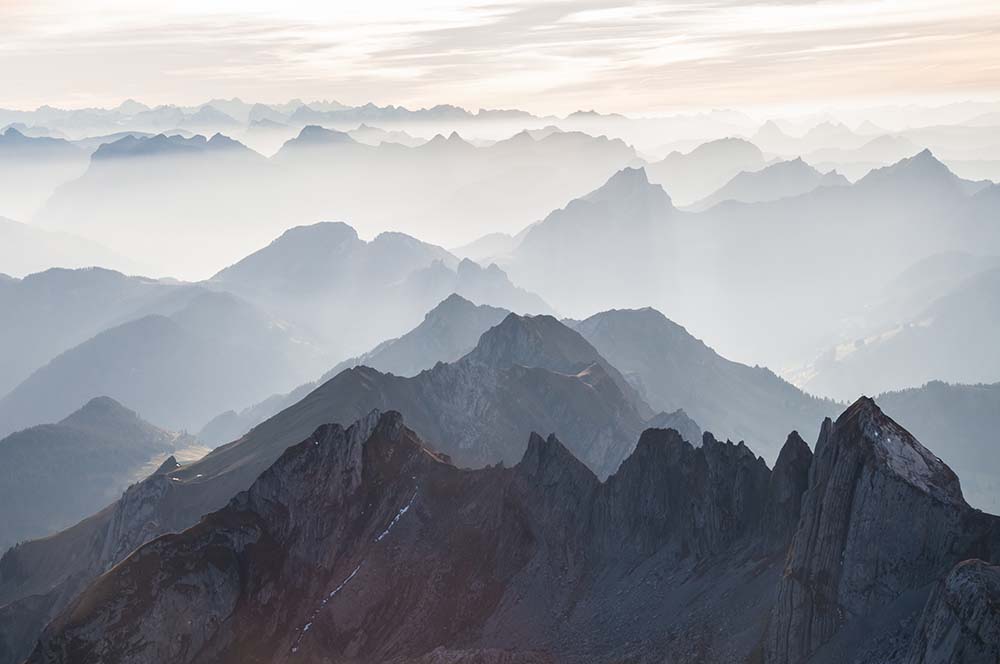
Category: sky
[546,56]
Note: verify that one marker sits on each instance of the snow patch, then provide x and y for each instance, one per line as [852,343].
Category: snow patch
[395,520]
[315,613]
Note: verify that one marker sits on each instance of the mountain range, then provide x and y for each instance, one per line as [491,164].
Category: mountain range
[323,276]
[180,368]
[26,249]
[527,373]
[38,306]
[674,370]
[31,167]
[689,177]
[780,180]
[626,245]
[684,554]
[448,331]
[513,451]
[945,341]
[235,199]
[669,369]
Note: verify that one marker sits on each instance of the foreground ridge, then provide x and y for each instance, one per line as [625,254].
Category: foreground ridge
[362,544]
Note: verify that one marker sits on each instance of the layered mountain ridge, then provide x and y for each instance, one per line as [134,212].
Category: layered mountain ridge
[524,541]
[481,408]
[354,525]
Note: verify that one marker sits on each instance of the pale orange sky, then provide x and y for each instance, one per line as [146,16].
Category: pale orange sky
[548,57]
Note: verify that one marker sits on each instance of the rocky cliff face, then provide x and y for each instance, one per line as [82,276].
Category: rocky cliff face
[961,622]
[788,483]
[364,545]
[39,578]
[882,517]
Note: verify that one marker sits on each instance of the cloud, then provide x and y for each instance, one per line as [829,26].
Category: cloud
[548,56]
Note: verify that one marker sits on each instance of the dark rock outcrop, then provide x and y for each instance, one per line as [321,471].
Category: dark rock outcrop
[788,483]
[961,622]
[882,517]
[363,545]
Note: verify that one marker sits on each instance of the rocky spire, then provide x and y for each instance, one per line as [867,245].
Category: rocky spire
[871,484]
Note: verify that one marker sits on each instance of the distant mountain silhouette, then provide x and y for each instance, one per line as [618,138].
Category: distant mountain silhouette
[448,331]
[602,250]
[376,136]
[673,370]
[198,201]
[25,250]
[855,162]
[920,171]
[914,289]
[780,180]
[209,118]
[233,199]
[791,271]
[213,353]
[162,145]
[692,176]
[313,275]
[951,339]
[95,299]
[31,168]
[519,360]
[56,474]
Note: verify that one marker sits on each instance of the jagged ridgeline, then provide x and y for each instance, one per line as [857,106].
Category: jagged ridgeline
[365,544]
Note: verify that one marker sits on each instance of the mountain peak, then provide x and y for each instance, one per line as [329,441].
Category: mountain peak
[533,341]
[628,177]
[547,461]
[923,167]
[679,421]
[449,306]
[309,247]
[897,451]
[169,465]
[327,233]
[97,410]
[317,135]
[660,439]
[627,184]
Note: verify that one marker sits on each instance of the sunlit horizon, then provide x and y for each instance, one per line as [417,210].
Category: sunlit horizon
[634,58]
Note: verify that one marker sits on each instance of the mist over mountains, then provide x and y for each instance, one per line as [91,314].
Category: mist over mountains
[313,382]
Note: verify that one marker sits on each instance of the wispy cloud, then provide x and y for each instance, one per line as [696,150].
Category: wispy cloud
[549,56]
